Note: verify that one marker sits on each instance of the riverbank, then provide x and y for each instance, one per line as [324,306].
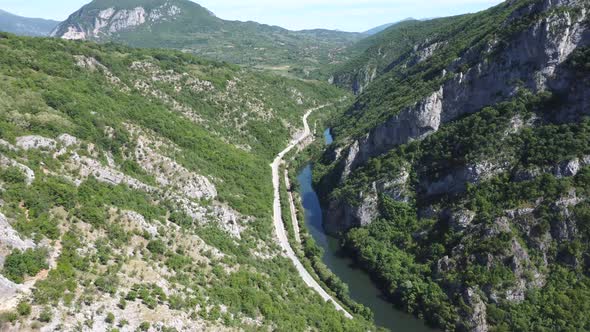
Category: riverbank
[310,254]
[360,286]
[352,286]
[278,219]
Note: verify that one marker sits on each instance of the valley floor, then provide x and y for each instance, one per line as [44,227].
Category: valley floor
[278,220]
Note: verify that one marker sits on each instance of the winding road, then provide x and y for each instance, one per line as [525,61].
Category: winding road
[278,218]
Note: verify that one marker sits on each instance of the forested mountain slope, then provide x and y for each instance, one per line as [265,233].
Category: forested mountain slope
[136,192]
[378,29]
[459,178]
[25,26]
[186,26]
[378,54]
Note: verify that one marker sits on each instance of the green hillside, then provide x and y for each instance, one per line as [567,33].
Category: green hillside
[140,179]
[192,28]
[136,190]
[401,77]
[377,54]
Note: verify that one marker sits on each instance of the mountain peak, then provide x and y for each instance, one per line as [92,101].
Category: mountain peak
[187,26]
[146,4]
[103,18]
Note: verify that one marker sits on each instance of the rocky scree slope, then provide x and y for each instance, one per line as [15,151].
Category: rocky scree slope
[184,25]
[459,176]
[133,194]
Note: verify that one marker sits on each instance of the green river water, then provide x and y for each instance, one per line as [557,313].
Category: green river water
[362,288]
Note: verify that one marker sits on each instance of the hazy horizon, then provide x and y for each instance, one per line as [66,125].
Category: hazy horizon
[346,15]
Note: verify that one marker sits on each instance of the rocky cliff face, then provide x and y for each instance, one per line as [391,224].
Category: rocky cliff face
[472,171]
[94,24]
[533,59]
[358,80]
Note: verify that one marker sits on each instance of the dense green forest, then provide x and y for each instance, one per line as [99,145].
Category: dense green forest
[480,220]
[402,249]
[406,264]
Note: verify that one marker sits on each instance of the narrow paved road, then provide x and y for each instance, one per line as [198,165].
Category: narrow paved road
[294,220]
[278,218]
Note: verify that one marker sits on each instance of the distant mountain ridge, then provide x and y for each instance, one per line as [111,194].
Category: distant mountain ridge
[25,26]
[384,27]
[378,29]
[187,26]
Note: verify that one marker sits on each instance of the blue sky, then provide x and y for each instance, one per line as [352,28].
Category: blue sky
[349,15]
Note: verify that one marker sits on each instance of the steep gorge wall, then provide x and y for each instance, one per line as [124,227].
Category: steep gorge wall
[534,59]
